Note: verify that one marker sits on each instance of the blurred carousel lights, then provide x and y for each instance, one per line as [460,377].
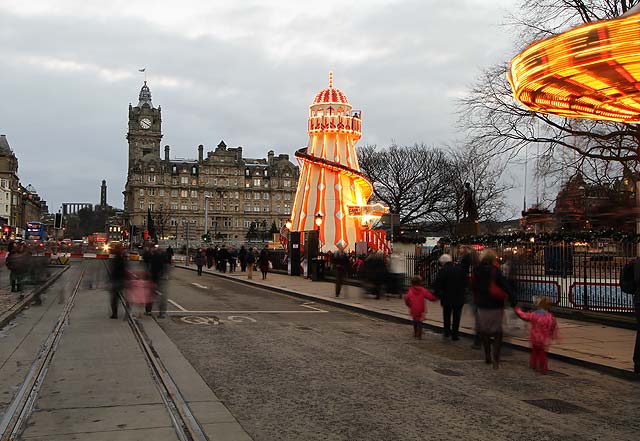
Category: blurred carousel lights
[591,71]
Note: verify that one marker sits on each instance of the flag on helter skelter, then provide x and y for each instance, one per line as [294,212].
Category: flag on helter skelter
[144,69]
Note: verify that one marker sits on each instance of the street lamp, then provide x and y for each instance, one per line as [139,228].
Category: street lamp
[318,219]
[206,213]
[288,224]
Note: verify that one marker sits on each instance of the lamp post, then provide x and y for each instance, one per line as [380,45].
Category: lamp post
[318,221]
[206,213]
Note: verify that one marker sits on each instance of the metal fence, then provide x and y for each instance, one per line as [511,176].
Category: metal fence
[572,275]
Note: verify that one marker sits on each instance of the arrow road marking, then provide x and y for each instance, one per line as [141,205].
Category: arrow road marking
[199,286]
[176,305]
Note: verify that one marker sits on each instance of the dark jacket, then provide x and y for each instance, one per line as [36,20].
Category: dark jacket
[450,285]
[263,260]
[118,271]
[480,280]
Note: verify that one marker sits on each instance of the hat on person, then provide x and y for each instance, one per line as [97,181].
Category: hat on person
[445,258]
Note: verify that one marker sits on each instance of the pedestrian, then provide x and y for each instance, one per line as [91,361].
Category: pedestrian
[450,286]
[341,266]
[118,276]
[415,299]
[242,257]
[210,253]
[263,262]
[490,290]
[374,272]
[200,260]
[542,329]
[223,258]
[169,253]
[251,261]
[16,263]
[156,273]
[630,284]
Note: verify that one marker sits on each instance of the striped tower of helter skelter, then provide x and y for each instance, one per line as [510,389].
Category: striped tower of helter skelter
[331,180]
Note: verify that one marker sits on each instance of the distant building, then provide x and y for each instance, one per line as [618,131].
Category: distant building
[73,207]
[172,193]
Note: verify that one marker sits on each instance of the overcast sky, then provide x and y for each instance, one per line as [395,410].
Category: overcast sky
[243,71]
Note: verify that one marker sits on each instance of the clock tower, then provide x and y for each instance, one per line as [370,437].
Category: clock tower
[144,132]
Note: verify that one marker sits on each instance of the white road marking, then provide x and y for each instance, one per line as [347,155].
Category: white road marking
[199,286]
[176,305]
[308,305]
[240,318]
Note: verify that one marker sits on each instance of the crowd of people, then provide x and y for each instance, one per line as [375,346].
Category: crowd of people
[225,259]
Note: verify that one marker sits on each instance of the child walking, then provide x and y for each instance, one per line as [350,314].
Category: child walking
[542,329]
[415,300]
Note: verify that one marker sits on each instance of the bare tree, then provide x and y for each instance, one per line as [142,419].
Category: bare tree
[410,180]
[493,118]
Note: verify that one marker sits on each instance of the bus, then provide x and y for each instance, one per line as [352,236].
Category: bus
[35,232]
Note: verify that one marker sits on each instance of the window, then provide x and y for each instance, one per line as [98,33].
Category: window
[184,207]
[287,196]
[5,183]
[152,206]
[287,208]
[286,183]
[152,178]
[142,192]
[247,195]
[184,179]
[161,193]
[247,172]
[152,191]
[235,182]
[174,193]
[142,205]
[194,194]
[173,222]
[226,182]
[174,206]
[256,208]
[236,208]
[174,181]
[194,207]
[194,170]
[194,181]
[247,224]
[266,208]
[265,196]
[256,196]
[277,196]
[174,169]
[247,207]
[161,206]
[184,193]
[256,182]
[266,173]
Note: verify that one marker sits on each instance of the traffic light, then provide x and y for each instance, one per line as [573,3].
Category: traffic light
[206,237]
[58,221]
[6,230]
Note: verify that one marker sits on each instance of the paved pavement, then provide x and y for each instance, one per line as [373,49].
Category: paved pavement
[598,346]
[99,385]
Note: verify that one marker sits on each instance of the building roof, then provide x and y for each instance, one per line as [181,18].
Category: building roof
[330,95]
[145,96]
[5,148]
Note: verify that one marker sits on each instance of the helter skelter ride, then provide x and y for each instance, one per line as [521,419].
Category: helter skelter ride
[591,71]
[331,186]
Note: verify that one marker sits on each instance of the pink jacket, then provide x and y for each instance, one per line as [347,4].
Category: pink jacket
[415,300]
[542,326]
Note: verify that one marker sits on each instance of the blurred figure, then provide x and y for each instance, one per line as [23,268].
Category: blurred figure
[157,269]
[415,299]
[264,262]
[118,276]
[251,261]
[490,290]
[242,257]
[450,286]
[200,260]
[542,329]
[169,252]
[341,266]
[223,258]
[210,256]
[16,263]
[374,272]
[233,260]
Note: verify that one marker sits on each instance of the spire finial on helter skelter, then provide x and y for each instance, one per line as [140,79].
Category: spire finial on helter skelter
[330,79]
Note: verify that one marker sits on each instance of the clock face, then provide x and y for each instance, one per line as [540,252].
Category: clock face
[145,123]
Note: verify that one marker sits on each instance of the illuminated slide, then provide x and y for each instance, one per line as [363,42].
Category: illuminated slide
[331,186]
[591,71]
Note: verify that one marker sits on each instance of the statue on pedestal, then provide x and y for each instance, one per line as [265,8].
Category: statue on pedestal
[469,207]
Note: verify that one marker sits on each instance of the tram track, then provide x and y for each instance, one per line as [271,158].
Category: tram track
[17,413]
[184,422]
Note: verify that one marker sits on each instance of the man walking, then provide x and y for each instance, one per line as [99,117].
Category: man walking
[450,286]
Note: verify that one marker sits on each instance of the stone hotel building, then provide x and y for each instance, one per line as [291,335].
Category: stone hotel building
[239,191]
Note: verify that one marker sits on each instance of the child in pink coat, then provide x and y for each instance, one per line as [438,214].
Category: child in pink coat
[542,329]
[415,300]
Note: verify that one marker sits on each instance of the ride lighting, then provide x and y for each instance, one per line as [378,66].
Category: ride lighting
[591,71]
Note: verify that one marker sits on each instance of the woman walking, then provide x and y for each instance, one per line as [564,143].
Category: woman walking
[490,291]
[263,262]
[200,260]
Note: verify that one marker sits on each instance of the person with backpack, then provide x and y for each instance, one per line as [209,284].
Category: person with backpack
[630,284]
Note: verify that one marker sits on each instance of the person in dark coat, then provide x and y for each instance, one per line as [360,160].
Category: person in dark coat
[263,262]
[242,257]
[450,286]
[341,266]
[251,261]
[118,276]
[210,253]
[374,272]
[169,255]
[200,260]
[223,258]
[490,307]
[16,262]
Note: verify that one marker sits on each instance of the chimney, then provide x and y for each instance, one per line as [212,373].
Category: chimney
[270,157]
[166,153]
[200,152]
